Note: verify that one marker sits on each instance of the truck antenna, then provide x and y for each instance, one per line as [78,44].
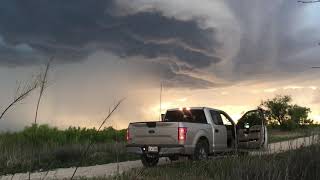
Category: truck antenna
[160,101]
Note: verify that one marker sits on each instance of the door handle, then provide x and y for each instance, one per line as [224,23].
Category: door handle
[216,130]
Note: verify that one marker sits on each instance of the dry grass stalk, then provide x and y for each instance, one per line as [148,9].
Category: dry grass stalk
[90,141]
[21,93]
[43,84]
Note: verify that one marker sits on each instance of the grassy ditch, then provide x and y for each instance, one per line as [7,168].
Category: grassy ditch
[294,165]
[59,148]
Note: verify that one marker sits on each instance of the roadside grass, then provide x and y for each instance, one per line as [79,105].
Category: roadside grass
[277,135]
[60,148]
[63,148]
[303,163]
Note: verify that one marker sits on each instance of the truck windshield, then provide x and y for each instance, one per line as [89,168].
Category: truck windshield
[194,116]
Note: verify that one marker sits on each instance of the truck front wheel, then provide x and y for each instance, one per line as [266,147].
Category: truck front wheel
[174,158]
[149,161]
[201,151]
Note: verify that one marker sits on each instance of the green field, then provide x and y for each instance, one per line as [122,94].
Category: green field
[45,147]
[56,148]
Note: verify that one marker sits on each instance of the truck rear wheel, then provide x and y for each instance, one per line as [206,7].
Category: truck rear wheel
[149,161]
[201,152]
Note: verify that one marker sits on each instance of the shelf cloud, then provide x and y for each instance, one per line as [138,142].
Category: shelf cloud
[134,45]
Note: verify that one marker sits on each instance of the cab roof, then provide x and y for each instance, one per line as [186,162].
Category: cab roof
[175,109]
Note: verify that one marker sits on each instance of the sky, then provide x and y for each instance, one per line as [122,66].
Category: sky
[225,54]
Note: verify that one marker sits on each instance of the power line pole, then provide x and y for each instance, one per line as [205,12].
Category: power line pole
[309,1]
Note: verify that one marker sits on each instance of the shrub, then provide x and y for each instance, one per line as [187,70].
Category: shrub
[289,125]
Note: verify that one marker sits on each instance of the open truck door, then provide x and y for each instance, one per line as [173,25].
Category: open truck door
[252,131]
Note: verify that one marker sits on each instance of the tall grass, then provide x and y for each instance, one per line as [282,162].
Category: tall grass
[298,164]
[59,148]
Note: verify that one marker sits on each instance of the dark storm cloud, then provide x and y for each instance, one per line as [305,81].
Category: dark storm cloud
[186,81]
[273,35]
[12,54]
[70,30]
[179,76]
[259,37]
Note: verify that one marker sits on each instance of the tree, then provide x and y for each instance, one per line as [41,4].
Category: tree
[299,114]
[277,108]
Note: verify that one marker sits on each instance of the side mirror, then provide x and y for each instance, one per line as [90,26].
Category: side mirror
[162,117]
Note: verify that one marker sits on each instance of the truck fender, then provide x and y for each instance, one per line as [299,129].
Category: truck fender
[199,134]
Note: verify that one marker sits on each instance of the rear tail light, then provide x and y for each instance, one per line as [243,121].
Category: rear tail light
[128,135]
[182,134]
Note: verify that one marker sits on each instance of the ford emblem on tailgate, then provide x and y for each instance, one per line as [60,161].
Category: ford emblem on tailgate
[151,131]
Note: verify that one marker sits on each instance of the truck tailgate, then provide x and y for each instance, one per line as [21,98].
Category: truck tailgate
[154,133]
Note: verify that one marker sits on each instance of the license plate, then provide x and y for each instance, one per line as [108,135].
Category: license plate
[152,149]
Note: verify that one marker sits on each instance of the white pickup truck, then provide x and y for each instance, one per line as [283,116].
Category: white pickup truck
[197,133]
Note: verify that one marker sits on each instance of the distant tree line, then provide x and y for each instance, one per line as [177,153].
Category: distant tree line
[280,112]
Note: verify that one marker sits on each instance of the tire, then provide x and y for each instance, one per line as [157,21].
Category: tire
[201,152]
[174,158]
[234,144]
[149,161]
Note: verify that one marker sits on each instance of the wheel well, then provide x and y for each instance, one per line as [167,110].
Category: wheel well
[203,138]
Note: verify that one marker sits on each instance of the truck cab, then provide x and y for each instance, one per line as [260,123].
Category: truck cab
[197,133]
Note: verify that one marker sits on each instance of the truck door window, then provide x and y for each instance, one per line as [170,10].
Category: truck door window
[225,120]
[216,118]
[250,118]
